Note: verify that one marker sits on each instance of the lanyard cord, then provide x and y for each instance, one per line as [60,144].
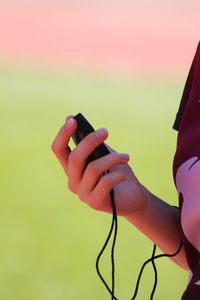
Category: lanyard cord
[114,226]
[152,260]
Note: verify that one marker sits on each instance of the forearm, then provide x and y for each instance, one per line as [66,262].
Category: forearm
[160,222]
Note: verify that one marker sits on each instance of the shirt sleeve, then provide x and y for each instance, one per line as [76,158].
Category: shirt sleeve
[185,97]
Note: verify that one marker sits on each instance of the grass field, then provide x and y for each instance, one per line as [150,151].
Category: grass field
[49,239]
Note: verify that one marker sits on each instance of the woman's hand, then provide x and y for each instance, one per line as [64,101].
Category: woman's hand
[91,186]
[158,220]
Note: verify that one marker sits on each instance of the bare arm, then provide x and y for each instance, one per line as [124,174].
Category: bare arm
[160,222]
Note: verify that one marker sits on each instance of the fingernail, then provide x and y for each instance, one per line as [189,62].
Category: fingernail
[124,155]
[69,123]
[102,132]
[68,117]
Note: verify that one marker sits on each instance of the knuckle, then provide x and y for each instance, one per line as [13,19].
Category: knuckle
[54,148]
[92,169]
[95,138]
[72,159]
[94,203]
[112,179]
[107,181]
[92,140]
[81,195]
[71,186]
[94,206]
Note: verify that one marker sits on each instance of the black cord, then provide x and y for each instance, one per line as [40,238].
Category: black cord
[114,241]
[155,272]
[150,260]
[114,226]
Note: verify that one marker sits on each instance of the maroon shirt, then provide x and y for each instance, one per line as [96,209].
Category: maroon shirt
[186,172]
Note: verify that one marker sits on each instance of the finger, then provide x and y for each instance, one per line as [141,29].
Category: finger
[79,155]
[96,168]
[68,117]
[60,145]
[101,192]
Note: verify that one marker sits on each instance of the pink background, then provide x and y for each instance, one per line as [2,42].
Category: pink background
[130,36]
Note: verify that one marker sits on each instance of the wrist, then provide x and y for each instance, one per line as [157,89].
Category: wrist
[139,202]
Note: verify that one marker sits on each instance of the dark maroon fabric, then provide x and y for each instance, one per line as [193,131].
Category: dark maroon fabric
[186,172]
[188,116]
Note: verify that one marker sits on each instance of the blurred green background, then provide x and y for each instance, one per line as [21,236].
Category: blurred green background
[105,59]
[49,239]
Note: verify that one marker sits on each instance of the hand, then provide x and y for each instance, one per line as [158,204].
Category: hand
[91,186]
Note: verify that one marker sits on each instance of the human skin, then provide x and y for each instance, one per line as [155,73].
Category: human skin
[155,218]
